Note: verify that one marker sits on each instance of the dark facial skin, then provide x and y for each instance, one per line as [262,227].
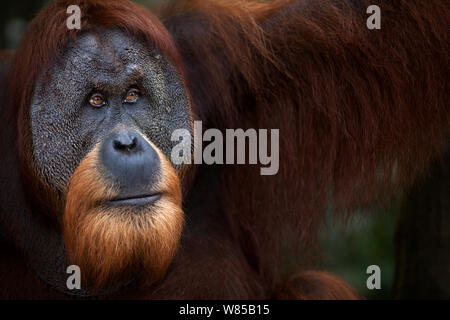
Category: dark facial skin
[65,125]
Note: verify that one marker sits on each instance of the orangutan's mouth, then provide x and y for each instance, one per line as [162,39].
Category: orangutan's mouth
[136,200]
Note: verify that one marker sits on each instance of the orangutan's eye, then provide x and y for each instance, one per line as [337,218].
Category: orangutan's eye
[132,96]
[97,100]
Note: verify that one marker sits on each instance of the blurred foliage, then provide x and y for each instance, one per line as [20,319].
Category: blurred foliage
[367,239]
[14,16]
[349,249]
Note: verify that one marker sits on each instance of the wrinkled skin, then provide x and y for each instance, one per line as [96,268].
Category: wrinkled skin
[65,127]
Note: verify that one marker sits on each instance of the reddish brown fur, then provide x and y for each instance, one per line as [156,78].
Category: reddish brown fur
[352,105]
[114,244]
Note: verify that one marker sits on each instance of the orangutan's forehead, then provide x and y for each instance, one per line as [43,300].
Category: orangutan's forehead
[109,59]
[107,46]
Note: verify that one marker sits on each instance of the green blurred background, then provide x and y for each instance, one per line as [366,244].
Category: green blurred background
[367,239]
[348,250]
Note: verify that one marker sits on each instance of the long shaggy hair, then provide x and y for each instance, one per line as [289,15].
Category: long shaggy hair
[361,112]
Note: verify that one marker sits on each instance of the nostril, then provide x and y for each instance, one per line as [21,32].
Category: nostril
[133,143]
[125,143]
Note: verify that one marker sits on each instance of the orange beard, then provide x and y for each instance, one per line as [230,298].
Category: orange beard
[112,245]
